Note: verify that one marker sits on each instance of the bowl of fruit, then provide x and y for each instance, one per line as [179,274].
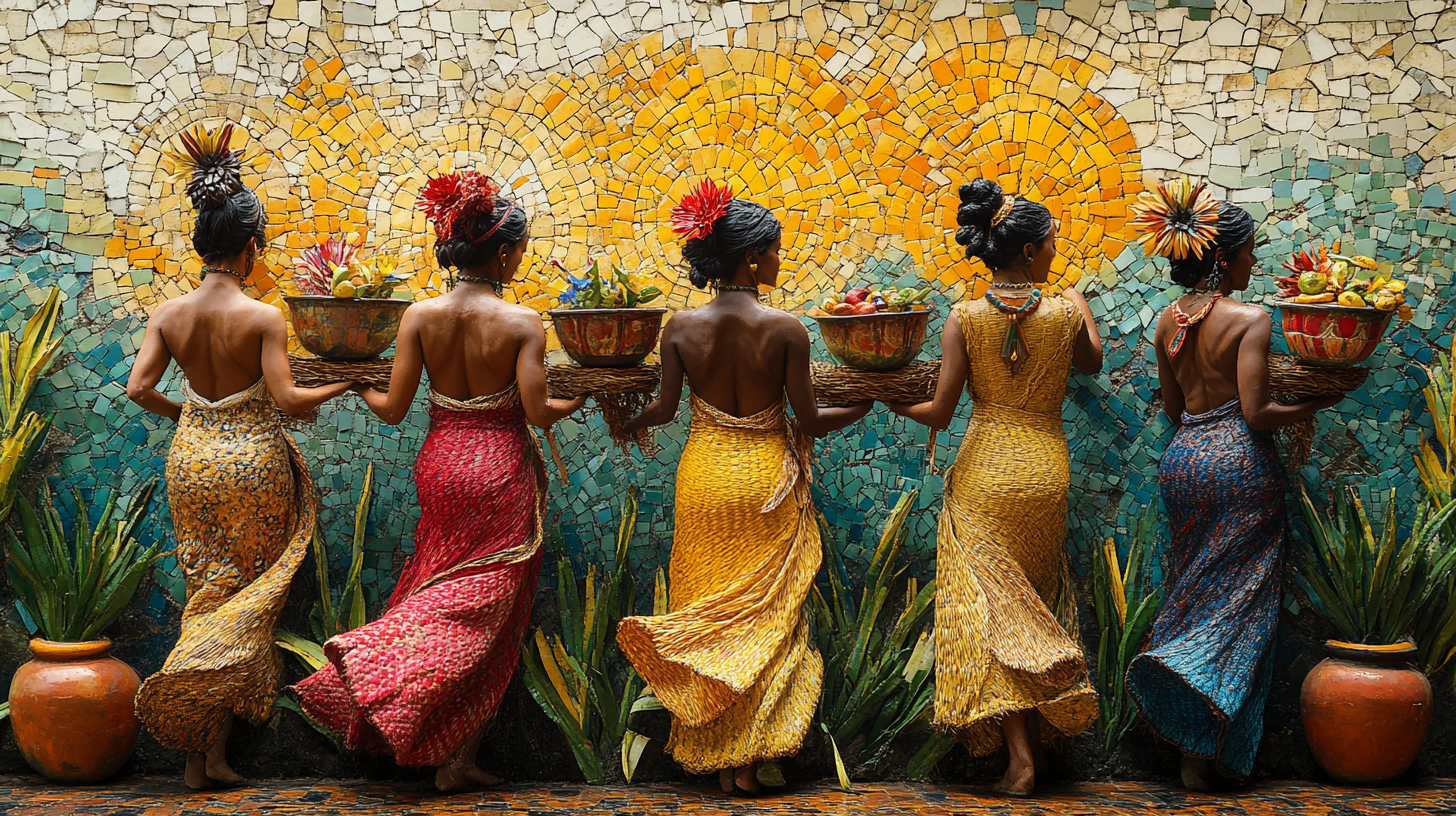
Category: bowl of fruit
[603,321]
[874,328]
[1335,309]
[346,308]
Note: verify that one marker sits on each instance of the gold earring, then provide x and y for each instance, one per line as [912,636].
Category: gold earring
[753,266]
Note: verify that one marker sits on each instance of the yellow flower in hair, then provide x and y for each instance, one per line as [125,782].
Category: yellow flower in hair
[1176,219]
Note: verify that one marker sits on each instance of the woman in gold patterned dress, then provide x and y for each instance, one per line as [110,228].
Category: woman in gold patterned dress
[241,500]
[1008,664]
[732,659]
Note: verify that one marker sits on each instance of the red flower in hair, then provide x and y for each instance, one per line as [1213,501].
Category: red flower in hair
[458,198]
[693,217]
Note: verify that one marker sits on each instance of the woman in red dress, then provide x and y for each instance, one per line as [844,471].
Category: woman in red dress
[422,682]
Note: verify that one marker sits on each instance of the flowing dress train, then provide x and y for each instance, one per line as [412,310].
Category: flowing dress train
[1006,621]
[243,510]
[732,659]
[429,673]
[1203,679]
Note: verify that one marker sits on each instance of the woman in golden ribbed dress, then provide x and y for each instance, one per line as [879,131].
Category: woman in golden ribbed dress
[241,500]
[732,659]
[1008,665]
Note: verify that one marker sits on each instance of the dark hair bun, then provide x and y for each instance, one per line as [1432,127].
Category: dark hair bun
[225,226]
[510,224]
[1000,245]
[744,226]
[1235,228]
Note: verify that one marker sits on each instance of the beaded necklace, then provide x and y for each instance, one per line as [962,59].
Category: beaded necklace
[1014,352]
[1186,321]
[1022,287]
[498,286]
[218,270]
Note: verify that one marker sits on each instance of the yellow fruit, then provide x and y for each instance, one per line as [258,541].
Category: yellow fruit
[1323,297]
[1312,283]
[1351,299]
[1395,286]
[344,289]
[1385,303]
[1363,262]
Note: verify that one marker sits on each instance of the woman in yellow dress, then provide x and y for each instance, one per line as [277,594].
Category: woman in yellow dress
[241,500]
[732,660]
[1008,667]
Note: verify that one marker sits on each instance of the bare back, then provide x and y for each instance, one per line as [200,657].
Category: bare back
[1206,366]
[736,352]
[216,336]
[471,341]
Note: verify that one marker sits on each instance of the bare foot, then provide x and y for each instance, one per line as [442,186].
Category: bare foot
[746,779]
[1198,774]
[455,777]
[1018,782]
[725,779]
[219,772]
[196,774]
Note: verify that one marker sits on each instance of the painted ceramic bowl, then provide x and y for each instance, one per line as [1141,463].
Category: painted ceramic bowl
[1327,334]
[345,328]
[883,341]
[608,338]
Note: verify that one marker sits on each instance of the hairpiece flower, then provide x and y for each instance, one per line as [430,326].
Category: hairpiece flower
[455,202]
[693,217]
[211,170]
[1176,219]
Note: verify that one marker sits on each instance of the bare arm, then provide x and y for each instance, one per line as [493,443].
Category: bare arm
[954,368]
[799,384]
[404,377]
[541,410]
[147,371]
[1260,412]
[290,399]
[1173,399]
[669,394]
[1087,353]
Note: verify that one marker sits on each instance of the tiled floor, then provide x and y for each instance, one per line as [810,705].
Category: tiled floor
[155,797]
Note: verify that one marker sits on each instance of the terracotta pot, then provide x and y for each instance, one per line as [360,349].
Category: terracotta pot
[608,338]
[1365,711]
[883,341]
[1326,334]
[73,710]
[345,328]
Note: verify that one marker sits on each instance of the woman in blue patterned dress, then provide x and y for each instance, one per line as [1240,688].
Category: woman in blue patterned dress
[1202,682]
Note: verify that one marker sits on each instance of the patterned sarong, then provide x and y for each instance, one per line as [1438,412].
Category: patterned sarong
[431,671]
[243,510]
[1202,682]
[732,659]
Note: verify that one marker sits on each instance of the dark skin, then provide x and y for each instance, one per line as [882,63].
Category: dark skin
[224,341]
[1021,729]
[1225,355]
[741,357]
[473,344]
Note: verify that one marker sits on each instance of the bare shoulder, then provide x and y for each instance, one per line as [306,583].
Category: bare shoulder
[522,319]
[783,323]
[1248,315]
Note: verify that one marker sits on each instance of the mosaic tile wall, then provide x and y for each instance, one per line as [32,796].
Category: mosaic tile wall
[854,121]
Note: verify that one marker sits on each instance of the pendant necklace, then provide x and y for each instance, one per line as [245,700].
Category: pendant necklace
[498,286]
[1014,351]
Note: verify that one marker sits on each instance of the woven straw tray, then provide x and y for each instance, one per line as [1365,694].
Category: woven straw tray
[834,385]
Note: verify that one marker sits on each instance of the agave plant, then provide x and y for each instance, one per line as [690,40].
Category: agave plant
[877,665]
[1126,601]
[72,588]
[1438,471]
[568,674]
[330,617]
[22,432]
[1372,587]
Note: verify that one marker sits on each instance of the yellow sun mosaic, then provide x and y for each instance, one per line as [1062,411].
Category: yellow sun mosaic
[855,162]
